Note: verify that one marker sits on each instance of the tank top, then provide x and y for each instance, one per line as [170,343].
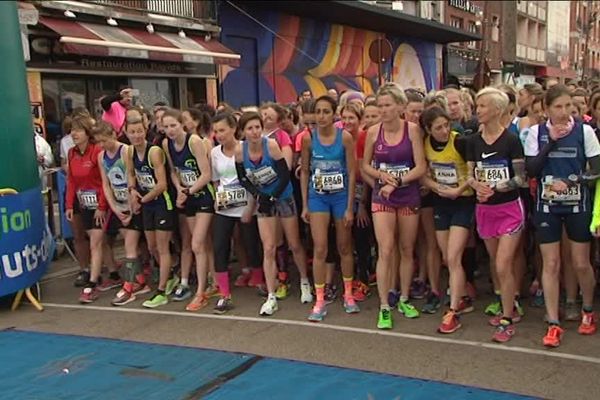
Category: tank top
[262,174]
[566,158]
[447,167]
[146,178]
[186,166]
[396,160]
[231,196]
[116,172]
[328,170]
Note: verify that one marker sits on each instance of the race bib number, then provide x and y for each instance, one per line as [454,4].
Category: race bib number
[445,174]
[121,194]
[188,178]
[494,172]
[570,195]
[328,183]
[397,171]
[231,197]
[264,176]
[145,180]
[88,199]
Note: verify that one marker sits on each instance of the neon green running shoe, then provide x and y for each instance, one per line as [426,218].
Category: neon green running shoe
[282,291]
[385,319]
[159,299]
[172,284]
[494,308]
[409,311]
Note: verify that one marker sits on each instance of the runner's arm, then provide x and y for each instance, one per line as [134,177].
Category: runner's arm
[157,159]
[108,194]
[348,142]
[199,151]
[305,169]
[281,167]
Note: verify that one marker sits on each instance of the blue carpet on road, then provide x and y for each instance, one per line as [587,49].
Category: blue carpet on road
[49,366]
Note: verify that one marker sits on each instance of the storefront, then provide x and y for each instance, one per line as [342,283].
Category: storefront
[79,63]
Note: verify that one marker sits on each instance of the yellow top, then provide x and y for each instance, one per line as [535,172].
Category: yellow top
[447,166]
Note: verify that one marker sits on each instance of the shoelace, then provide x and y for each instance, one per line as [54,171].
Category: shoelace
[554,332]
[587,319]
[385,314]
[448,317]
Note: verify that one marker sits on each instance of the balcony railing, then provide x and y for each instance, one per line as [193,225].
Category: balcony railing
[531,54]
[532,9]
[198,9]
[522,6]
[541,56]
[521,51]
[541,14]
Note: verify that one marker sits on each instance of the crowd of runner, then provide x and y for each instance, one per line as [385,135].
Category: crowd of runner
[381,190]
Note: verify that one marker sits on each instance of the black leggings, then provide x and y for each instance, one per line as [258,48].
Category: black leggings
[362,245]
[222,234]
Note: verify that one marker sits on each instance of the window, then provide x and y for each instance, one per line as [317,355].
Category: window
[472,29]
[495,34]
[456,22]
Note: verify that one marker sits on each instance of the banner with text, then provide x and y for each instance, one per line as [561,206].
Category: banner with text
[26,245]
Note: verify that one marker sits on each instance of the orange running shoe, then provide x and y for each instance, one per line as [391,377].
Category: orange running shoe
[553,336]
[588,323]
[197,303]
[450,322]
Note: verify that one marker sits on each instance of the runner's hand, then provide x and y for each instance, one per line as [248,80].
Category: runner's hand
[387,179]
[305,216]
[69,215]
[99,217]
[559,186]
[447,192]
[387,191]
[362,216]
[181,199]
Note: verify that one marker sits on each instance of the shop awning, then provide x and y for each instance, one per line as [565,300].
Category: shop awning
[108,41]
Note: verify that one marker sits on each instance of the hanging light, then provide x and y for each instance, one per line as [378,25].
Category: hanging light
[182,34]
[150,28]
[111,21]
[70,14]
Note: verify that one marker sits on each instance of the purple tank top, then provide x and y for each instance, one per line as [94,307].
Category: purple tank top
[397,160]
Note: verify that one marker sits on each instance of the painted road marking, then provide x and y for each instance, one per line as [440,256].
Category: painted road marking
[341,328]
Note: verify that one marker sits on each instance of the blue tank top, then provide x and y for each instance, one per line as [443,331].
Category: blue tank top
[146,178]
[116,172]
[262,174]
[328,170]
[567,158]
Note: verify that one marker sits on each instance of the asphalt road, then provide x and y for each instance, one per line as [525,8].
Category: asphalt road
[412,348]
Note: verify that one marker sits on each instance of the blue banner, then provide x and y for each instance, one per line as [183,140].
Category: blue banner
[26,245]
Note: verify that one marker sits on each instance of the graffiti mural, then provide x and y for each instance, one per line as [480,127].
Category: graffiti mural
[283,55]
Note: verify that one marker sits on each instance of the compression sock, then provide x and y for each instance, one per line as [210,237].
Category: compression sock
[222,279]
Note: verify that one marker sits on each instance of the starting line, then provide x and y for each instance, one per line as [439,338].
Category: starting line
[340,328]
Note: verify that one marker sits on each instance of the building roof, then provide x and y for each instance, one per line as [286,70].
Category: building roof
[361,15]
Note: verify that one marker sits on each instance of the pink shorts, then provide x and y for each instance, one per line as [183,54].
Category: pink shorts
[498,220]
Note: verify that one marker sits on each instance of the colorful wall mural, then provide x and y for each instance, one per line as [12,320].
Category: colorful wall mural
[283,55]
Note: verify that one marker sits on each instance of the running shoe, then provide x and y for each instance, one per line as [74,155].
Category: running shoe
[282,291]
[172,284]
[385,319]
[258,281]
[108,284]
[269,307]
[494,308]
[305,293]
[243,278]
[553,336]
[497,319]
[317,313]
[588,323]
[137,288]
[182,293]
[450,322]
[406,308]
[82,278]
[197,303]
[572,312]
[360,291]
[432,305]
[212,290]
[89,295]
[465,305]
[159,299]
[350,305]
[123,297]
[504,332]
[224,304]
[393,299]
[538,299]
[418,289]
[330,293]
